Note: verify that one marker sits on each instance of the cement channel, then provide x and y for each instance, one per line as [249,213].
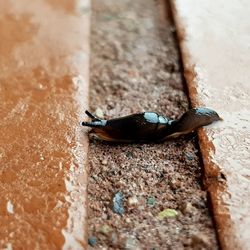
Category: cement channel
[135,66]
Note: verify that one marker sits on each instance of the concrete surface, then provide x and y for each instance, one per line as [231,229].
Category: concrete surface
[215,44]
[44,55]
[134,68]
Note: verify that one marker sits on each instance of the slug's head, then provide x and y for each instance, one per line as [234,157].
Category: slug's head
[195,118]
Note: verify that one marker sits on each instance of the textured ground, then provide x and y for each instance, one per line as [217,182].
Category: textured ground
[135,67]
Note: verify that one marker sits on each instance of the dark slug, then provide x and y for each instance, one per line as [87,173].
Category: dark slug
[149,126]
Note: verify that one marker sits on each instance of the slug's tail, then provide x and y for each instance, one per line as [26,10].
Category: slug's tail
[95,123]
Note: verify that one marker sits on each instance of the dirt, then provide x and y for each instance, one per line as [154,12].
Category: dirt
[135,67]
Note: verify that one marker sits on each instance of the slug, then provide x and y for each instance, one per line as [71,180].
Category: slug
[149,126]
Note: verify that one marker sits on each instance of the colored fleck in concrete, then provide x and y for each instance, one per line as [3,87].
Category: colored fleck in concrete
[43,93]
[214,39]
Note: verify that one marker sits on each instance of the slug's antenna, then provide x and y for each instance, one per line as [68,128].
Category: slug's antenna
[93,117]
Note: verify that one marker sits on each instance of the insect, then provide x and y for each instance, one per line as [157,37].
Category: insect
[149,126]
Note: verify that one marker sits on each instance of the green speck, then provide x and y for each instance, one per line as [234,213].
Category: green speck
[105,229]
[167,213]
[108,18]
[151,201]
[189,156]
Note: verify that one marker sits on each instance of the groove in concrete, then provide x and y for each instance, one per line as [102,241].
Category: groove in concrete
[215,51]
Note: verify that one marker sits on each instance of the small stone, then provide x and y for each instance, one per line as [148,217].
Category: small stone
[114,238]
[141,208]
[134,185]
[104,162]
[104,216]
[132,244]
[128,220]
[132,201]
[92,241]
[200,241]
[151,201]
[189,156]
[40,86]
[105,229]
[99,113]
[167,213]
[129,154]
[175,184]
[95,177]
[118,203]
[11,234]
[10,207]
[41,157]
[169,197]
[187,208]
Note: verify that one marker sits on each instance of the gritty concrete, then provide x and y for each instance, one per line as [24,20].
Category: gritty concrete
[135,67]
[44,53]
[214,38]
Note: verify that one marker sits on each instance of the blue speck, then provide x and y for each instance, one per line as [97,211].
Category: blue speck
[92,241]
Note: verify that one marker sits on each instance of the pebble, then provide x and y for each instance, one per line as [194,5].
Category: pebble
[141,207]
[187,208]
[105,229]
[169,197]
[118,203]
[200,240]
[104,216]
[132,201]
[175,184]
[167,213]
[104,162]
[151,201]
[128,220]
[189,156]
[95,177]
[11,234]
[114,238]
[99,113]
[131,244]
[92,241]
[129,154]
